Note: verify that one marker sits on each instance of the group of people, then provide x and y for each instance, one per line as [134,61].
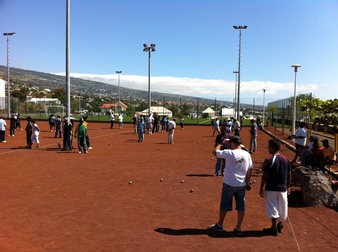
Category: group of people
[148,124]
[317,154]
[65,127]
[275,184]
[231,124]
[225,132]
[15,122]
[112,120]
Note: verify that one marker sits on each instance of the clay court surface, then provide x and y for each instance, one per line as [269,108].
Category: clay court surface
[53,200]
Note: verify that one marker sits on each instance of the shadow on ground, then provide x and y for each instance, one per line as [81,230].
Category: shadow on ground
[215,234]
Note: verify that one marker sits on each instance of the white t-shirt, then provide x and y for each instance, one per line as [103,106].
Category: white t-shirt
[237,125]
[2,124]
[302,133]
[171,125]
[112,117]
[236,166]
[35,130]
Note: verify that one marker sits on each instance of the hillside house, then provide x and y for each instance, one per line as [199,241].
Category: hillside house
[113,107]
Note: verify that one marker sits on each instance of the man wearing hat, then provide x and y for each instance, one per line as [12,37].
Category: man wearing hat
[329,156]
[236,180]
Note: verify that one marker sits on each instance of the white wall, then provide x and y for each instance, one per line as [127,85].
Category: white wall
[2,94]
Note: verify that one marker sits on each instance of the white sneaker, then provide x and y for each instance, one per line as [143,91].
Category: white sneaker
[4,141]
[90,148]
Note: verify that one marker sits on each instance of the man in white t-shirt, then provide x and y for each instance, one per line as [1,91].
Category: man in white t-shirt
[2,130]
[300,140]
[236,180]
[120,118]
[112,119]
[237,127]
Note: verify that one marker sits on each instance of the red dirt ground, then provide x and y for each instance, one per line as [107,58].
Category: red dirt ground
[52,200]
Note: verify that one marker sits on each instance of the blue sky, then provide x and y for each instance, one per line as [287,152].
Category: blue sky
[197,47]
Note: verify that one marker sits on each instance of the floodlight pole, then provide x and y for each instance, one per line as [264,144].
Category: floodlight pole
[235,103]
[118,80]
[68,60]
[8,78]
[264,107]
[149,49]
[295,66]
[239,68]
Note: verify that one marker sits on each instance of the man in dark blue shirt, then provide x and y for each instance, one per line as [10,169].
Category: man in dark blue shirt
[276,179]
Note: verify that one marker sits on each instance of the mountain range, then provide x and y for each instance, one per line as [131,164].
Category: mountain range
[93,88]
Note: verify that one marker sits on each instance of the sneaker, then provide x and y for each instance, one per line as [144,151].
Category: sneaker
[90,148]
[80,152]
[4,141]
[215,227]
[237,231]
[87,152]
[270,231]
[280,227]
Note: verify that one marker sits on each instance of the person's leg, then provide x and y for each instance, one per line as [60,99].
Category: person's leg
[282,209]
[271,207]
[240,217]
[273,223]
[87,141]
[85,145]
[225,205]
[240,206]
[221,217]
[223,166]
[218,165]
[255,144]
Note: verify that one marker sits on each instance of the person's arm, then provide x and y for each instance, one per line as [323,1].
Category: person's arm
[288,183]
[248,178]
[217,148]
[264,179]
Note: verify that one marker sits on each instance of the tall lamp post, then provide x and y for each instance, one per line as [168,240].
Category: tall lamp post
[149,49]
[295,66]
[235,72]
[118,81]
[68,59]
[239,68]
[264,107]
[8,78]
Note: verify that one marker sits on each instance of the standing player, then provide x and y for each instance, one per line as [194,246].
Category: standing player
[276,179]
[171,130]
[35,134]
[253,136]
[237,174]
[29,132]
[81,131]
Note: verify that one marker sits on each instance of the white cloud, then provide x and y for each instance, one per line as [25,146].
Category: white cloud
[204,88]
